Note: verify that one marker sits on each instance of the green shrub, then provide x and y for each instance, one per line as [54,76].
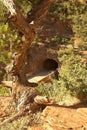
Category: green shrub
[22,123]
[54,90]
[19,124]
[72,79]
[75,13]
[4,91]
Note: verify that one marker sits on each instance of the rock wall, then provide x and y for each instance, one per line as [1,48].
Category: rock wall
[41,58]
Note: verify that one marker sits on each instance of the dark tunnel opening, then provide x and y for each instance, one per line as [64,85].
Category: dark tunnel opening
[50,64]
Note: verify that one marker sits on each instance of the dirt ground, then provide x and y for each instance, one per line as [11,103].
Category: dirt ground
[56,117]
[65,118]
[4,103]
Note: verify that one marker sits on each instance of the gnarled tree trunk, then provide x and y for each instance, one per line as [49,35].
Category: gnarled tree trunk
[29,31]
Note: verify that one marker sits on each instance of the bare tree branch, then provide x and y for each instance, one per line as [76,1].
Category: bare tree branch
[39,11]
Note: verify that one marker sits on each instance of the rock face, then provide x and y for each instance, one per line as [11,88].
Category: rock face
[51,26]
[40,58]
[61,118]
[38,55]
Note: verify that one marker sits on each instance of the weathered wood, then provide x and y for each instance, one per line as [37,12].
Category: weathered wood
[43,100]
[7,84]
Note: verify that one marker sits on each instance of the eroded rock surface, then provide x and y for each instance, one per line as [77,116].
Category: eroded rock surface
[62,118]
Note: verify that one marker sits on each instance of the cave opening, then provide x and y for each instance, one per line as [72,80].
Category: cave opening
[50,64]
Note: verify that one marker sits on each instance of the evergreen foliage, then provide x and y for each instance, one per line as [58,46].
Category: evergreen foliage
[73,74]
[72,78]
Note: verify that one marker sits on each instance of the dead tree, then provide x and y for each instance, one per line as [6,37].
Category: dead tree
[29,31]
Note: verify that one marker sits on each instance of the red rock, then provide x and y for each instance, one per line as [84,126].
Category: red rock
[60,118]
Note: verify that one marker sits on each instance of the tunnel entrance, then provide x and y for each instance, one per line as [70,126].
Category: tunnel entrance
[50,64]
[49,70]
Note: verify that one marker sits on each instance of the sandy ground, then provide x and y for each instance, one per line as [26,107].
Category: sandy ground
[57,117]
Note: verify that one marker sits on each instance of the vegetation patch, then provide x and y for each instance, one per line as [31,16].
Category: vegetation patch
[4,91]
[72,78]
